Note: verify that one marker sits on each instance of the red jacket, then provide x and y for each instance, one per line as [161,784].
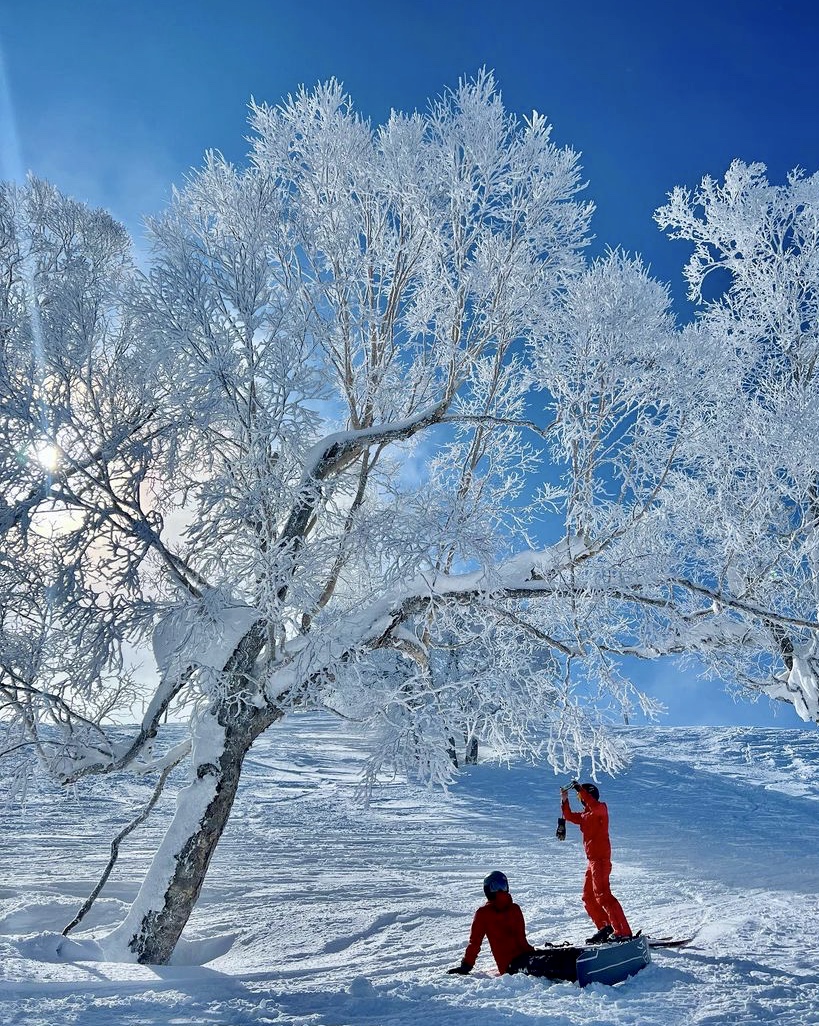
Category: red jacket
[594,826]
[501,921]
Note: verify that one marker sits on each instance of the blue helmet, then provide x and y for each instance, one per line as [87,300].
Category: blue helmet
[495,882]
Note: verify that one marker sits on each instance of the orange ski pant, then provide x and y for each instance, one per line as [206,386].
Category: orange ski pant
[603,908]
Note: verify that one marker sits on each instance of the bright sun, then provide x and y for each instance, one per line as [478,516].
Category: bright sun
[48,456]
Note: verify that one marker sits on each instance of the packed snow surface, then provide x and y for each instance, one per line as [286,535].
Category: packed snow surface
[319,911]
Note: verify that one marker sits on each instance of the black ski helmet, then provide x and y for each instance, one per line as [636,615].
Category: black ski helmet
[495,882]
[593,791]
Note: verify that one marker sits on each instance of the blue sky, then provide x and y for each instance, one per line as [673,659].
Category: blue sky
[114,102]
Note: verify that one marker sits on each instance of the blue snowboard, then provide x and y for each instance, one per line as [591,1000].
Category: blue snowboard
[612,962]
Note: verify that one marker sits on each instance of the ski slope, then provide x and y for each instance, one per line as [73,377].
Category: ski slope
[320,912]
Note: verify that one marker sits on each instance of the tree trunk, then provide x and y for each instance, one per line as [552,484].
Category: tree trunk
[471,757]
[171,888]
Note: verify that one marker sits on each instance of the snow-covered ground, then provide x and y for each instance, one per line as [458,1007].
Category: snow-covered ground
[319,912]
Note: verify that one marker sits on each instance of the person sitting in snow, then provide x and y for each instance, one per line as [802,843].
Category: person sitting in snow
[603,908]
[501,921]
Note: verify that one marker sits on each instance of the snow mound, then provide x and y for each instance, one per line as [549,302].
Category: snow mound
[200,952]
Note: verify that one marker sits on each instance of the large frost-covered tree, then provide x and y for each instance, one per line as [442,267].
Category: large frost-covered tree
[314,454]
[290,455]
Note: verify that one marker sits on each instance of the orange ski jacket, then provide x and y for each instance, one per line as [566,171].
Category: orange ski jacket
[594,825]
[501,922]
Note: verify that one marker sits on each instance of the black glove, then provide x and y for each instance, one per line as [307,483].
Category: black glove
[575,785]
[459,970]
[560,833]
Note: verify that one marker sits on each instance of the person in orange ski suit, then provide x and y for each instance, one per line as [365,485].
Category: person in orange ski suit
[603,908]
[501,921]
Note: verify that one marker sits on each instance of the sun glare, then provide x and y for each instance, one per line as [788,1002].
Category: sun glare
[48,456]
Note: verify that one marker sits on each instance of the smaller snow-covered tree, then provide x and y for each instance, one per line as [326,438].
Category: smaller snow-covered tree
[77,412]
[758,480]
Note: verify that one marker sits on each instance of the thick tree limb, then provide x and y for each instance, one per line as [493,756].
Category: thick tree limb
[767,615]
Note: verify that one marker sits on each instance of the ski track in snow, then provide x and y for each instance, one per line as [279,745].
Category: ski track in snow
[320,912]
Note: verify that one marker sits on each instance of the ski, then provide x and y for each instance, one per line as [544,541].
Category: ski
[669,942]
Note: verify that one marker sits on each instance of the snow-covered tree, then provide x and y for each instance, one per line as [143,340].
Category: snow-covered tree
[285,452]
[316,453]
[77,406]
[754,272]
